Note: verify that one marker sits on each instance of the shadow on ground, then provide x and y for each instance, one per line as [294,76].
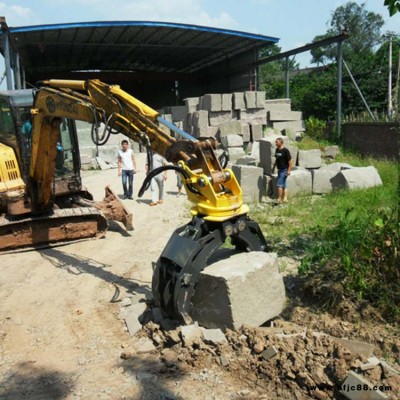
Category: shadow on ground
[151,377]
[27,381]
[78,265]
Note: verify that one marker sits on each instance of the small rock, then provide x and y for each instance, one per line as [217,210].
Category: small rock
[213,336]
[258,346]
[82,360]
[125,302]
[224,361]
[269,352]
[144,345]
[319,394]
[190,333]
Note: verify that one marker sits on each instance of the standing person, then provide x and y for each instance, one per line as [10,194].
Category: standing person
[126,168]
[179,183]
[283,160]
[157,196]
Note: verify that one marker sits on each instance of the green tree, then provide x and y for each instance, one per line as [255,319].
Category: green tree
[393,6]
[364,29]
[272,73]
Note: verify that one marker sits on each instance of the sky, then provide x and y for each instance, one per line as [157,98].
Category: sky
[294,22]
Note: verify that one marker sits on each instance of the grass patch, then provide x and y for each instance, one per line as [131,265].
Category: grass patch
[349,237]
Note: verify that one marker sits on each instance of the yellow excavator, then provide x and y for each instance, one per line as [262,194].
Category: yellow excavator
[218,211]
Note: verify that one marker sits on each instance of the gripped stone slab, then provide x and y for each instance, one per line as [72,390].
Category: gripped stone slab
[244,289]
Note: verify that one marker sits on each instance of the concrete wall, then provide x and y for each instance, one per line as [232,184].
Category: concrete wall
[379,139]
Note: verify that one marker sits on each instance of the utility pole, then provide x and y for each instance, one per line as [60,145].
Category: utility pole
[390,103]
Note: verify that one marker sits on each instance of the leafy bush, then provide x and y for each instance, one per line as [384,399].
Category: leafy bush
[363,250]
[315,128]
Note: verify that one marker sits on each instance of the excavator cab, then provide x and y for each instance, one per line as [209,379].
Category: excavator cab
[16,132]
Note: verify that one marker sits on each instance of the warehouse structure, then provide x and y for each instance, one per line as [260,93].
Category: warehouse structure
[160,63]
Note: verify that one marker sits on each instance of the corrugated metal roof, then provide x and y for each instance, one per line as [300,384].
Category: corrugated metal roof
[128,46]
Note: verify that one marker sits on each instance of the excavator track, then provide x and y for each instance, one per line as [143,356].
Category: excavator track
[62,225]
[186,254]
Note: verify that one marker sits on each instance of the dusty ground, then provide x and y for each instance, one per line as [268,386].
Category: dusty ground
[62,335]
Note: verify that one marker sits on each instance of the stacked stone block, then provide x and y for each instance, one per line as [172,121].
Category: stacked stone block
[247,114]
[246,120]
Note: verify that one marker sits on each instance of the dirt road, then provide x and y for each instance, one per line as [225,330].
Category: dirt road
[61,337]
[62,333]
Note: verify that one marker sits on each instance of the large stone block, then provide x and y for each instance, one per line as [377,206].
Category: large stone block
[309,158]
[230,128]
[207,131]
[232,141]
[267,152]
[256,132]
[322,180]
[260,99]
[226,102]
[336,167]
[219,117]
[250,99]
[271,188]
[238,101]
[247,160]
[285,116]
[357,178]
[292,126]
[244,289]
[246,133]
[331,152]
[323,177]
[212,102]
[192,104]
[294,152]
[178,113]
[267,149]
[299,182]
[235,153]
[200,119]
[253,116]
[251,180]
[255,151]
[281,105]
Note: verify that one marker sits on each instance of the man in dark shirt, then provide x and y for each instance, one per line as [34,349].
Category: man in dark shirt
[283,161]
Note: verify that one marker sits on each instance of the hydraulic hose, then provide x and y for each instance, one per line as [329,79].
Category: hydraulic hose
[152,174]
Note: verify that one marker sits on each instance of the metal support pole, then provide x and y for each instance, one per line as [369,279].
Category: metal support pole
[17,72]
[7,60]
[339,89]
[390,103]
[23,78]
[359,91]
[287,76]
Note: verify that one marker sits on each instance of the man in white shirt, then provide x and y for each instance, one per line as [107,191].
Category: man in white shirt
[157,196]
[126,168]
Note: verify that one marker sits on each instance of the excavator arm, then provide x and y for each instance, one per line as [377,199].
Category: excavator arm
[214,191]
[218,210]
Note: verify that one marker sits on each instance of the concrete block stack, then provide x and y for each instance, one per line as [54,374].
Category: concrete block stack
[246,120]
[247,114]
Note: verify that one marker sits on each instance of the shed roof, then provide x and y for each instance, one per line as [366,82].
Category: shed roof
[128,46]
